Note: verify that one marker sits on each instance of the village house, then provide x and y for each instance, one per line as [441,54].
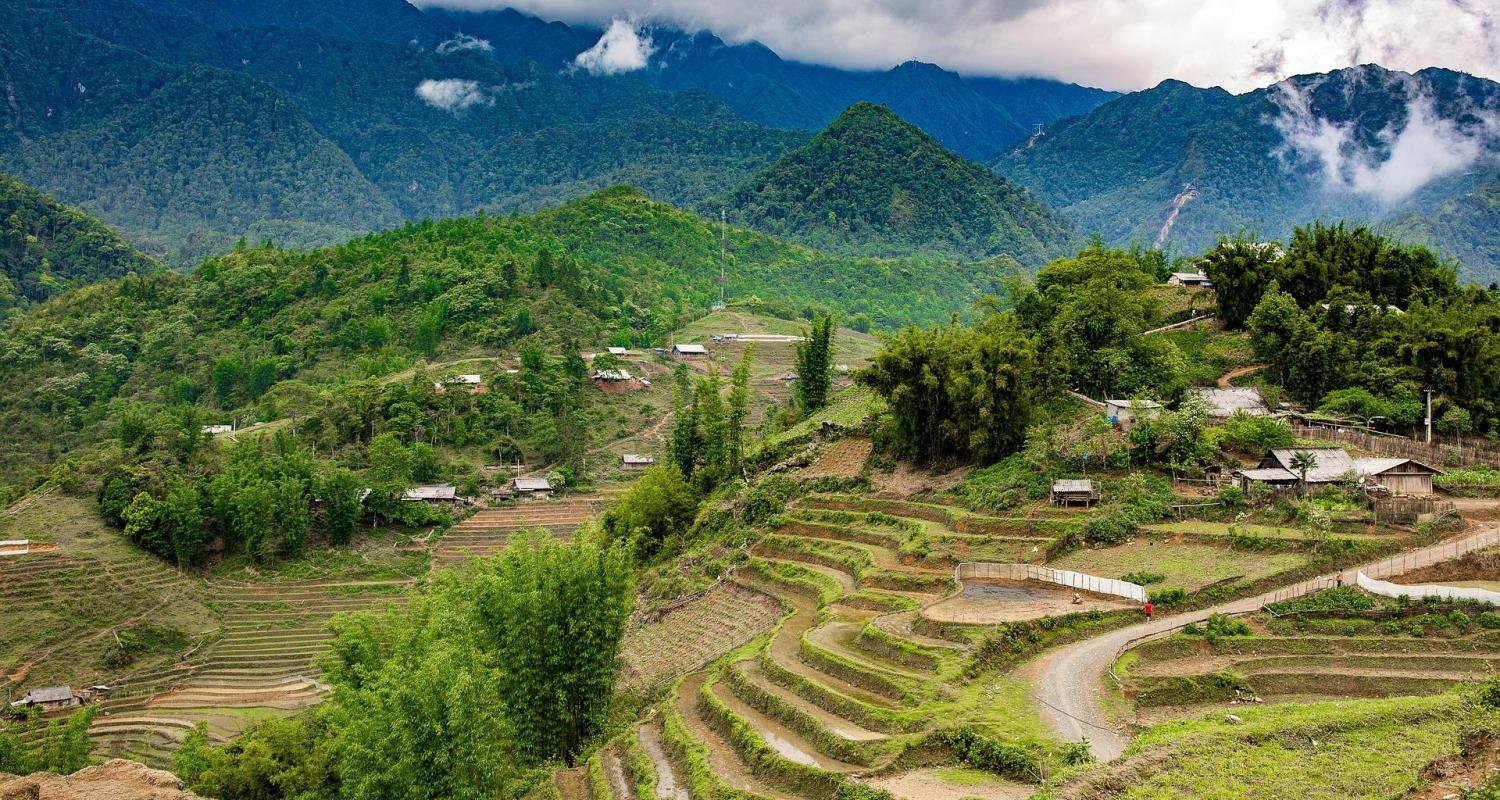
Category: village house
[1074,493]
[689,351]
[612,375]
[46,698]
[438,494]
[636,461]
[1399,476]
[532,488]
[618,352]
[1125,413]
[214,430]
[1196,280]
[473,383]
[1225,402]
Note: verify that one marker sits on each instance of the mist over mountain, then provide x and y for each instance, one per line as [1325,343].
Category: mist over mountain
[1182,166]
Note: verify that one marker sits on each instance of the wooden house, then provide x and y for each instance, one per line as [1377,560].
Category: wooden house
[1074,493]
[689,351]
[1401,476]
[532,488]
[46,698]
[1196,280]
[636,461]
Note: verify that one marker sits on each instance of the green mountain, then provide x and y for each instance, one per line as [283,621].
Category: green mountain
[260,325]
[186,132]
[1183,166]
[872,183]
[47,248]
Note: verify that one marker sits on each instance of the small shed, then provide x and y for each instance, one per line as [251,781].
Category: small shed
[441,493]
[618,351]
[636,461]
[612,375]
[1195,280]
[1402,476]
[1224,403]
[689,351]
[215,430]
[534,488]
[1074,493]
[1125,412]
[47,698]
[1273,477]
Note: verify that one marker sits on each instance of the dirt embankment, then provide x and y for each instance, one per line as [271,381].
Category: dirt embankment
[1474,566]
[1455,775]
[117,779]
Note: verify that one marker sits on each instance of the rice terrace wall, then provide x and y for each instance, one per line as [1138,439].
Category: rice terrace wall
[969,570]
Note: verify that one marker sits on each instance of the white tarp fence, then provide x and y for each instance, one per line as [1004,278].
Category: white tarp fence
[1385,589]
[1061,577]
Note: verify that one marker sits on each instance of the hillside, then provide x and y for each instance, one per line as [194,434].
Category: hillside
[873,183]
[1185,165]
[615,266]
[47,248]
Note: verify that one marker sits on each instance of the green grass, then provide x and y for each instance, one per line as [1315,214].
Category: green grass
[1315,751]
[1189,566]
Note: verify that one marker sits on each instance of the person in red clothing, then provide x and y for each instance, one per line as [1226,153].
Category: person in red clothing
[1147,608]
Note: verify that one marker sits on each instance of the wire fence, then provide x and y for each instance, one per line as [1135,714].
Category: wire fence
[969,570]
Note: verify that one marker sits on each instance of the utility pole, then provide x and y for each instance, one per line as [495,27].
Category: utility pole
[1429,416]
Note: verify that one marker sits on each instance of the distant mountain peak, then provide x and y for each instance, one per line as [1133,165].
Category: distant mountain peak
[873,183]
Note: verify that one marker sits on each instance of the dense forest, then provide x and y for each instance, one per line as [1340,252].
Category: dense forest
[873,183]
[261,332]
[47,248]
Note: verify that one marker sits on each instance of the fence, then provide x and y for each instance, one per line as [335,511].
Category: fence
[1385,589]
[1435,454]
[969,570]
[1407,510]
[1396,565]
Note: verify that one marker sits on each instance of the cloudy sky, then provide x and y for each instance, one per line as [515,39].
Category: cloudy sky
[1115,44]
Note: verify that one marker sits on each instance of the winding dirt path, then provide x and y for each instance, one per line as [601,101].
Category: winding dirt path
[1227,379]
[1069,682]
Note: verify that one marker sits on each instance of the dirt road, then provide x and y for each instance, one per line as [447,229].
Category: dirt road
[1069,681]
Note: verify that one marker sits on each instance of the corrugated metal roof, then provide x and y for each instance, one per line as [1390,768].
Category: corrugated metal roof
[1269,474]
[431,493]
[636,458]
[1332,463]
[532,485]
[1380,466]
[49,694]
[689,348]
[1225,402]
[617,351]
[1070,486]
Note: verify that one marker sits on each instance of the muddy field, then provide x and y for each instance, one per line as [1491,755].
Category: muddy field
[990,602]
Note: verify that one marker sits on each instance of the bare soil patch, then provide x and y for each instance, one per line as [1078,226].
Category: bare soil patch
[116,779]
[907,480]
[844,458]
[991,602]
[1483,566]
[950,784]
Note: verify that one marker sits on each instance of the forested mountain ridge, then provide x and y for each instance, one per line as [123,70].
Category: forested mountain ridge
[47,248]
[873,183]
[1182,165]
[398,113]
[263,325]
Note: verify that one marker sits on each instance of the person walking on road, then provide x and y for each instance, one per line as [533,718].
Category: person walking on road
[1147,608]
[1338,580]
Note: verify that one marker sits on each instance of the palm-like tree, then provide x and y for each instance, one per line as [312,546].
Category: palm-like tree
[1302,461]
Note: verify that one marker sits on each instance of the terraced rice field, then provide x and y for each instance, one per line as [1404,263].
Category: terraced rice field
[1311,655]
[489,530]
[60,611]
[697,632]
[1187,565]
[263,666]
[843,458]
[838,685]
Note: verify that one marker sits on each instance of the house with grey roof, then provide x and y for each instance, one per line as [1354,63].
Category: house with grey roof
[1225,402]
[533,488]
[1333,465]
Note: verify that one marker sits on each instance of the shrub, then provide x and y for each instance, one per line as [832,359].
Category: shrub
[1114,527]
[1168,597]
[1232,497]
[1489,619]
[1246,434]
[1344,598]
[1143,578]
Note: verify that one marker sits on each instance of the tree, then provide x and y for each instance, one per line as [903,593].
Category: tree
[1303,462]
[658,506]
[814,364]
[1456,422]
[739,410]
[338,488]
[553,615]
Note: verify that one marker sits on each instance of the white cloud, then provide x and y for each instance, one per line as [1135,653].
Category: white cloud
[463,41]
[1424,148]
[624,47]
[1117,44]
[452,94]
